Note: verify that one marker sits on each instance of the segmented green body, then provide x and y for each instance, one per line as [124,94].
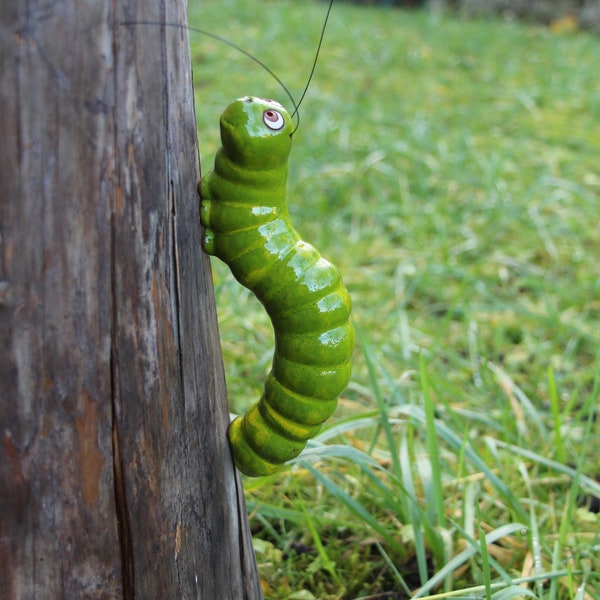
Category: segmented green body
[244,211]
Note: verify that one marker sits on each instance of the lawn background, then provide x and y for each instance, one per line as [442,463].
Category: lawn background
[450,169]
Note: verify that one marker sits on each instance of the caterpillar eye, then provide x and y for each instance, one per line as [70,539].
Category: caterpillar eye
[273,120]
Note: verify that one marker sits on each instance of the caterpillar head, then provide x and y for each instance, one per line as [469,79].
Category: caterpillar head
[256,133]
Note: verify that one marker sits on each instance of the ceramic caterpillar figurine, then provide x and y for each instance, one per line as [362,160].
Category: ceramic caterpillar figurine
[244,211]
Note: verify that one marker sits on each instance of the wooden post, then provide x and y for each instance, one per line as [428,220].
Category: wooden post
[116,479]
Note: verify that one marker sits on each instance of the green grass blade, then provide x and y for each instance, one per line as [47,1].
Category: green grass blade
[587,483]
[554,404]
[342,496]
[432,447]
[514,591]
[458,445]
[414,512]
[485,558]
[467,553]
[325,561]
[381,404]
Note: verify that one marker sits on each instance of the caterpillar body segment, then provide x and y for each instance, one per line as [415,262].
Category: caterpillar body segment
[244,211]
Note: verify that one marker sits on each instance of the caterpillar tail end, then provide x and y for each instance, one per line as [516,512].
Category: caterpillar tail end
[245,458]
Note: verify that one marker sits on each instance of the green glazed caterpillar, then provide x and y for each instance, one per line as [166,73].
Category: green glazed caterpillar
[244,211]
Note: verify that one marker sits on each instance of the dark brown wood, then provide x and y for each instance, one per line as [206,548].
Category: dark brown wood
[116,479]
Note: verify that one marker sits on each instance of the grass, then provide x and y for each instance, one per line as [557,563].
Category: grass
[450,169]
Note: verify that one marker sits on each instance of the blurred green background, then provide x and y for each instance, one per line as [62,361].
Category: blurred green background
[449,167]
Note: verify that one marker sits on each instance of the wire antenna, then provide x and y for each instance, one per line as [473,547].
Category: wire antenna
[259,62]
[228,43]
[313,68]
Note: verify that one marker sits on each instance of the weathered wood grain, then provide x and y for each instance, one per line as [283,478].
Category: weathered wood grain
[115,474]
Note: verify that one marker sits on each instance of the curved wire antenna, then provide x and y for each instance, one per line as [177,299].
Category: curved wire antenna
[259,62]
[313,68]
[228,43]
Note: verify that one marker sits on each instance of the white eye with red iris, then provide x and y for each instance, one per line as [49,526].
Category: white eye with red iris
[273,120]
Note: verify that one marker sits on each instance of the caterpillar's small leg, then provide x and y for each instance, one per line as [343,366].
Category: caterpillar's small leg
[208,241]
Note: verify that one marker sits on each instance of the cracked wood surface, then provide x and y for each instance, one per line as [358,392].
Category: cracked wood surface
[115,472]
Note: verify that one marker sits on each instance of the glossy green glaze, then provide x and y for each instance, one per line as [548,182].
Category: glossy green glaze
[244,211]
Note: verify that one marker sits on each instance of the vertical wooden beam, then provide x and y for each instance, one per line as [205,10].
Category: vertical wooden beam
[115,471]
